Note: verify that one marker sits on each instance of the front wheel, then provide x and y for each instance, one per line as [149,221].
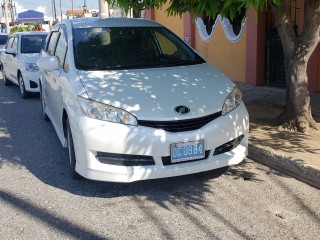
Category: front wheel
[71,154]
[43,104]
[6,81]
[24,94]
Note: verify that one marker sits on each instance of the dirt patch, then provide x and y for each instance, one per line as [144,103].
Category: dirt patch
[265,132]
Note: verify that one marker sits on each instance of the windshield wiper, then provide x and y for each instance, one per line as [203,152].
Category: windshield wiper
[135,65]
[183,63]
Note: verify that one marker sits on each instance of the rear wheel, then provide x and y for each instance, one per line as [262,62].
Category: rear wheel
[71,154]
[6,81]
[23,92]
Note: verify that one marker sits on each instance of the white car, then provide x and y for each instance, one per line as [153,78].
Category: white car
[3,39]
[19,61]
[132,101]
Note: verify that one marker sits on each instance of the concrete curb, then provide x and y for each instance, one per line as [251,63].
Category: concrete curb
[296,168]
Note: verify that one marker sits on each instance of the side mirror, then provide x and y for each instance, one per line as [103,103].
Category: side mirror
[10,51]
[48,63]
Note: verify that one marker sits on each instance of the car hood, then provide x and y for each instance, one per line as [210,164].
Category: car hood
[153,94]
[30,57]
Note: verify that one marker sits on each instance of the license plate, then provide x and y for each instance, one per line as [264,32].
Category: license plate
[187,151]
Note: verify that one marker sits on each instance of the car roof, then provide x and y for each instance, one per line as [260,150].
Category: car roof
[110,22]
[31,33]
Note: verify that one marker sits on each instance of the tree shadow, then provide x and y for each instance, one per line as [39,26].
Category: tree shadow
[265,132]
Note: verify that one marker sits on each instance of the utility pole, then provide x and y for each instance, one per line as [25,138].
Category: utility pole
[84,8]
[60,11]
[15,10]
[72,8]
[10,11]
[6,16]
[54,11]
[103,9]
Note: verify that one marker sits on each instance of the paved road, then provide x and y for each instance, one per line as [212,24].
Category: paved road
[38,200]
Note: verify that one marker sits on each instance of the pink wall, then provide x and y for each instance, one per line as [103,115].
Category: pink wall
[256,45]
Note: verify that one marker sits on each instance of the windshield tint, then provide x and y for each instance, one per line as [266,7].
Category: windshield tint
[130,47]
[3,39]
[32,43]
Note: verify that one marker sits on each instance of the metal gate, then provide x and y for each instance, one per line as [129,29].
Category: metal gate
[275,65]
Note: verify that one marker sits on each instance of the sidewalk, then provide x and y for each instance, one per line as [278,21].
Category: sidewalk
[291,153]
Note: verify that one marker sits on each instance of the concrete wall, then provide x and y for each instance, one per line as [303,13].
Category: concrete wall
[175,24]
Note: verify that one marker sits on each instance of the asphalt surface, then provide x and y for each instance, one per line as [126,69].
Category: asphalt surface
[38,200]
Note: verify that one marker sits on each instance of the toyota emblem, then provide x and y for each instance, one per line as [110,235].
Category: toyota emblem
[182,109]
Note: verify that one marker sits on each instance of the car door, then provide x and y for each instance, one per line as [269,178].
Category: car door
[59,78]
[48,85]
[15,60]
[7,59]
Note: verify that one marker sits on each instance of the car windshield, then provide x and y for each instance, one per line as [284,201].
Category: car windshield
[3,39]
[32,43]
[129,48]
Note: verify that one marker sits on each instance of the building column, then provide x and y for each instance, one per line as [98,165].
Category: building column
[313,70]
[149,14]
[189,29]
[255,48]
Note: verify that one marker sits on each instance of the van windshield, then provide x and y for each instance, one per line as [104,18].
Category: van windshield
[130,48]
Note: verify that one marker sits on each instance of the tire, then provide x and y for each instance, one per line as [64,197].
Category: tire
[24,94]
[43,105]
[6,81]
[71,154]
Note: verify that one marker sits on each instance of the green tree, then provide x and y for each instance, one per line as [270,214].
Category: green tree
[297,47]
[23,28]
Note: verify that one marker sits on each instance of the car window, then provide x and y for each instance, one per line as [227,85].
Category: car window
[9,42]
[53,42]
[130,47]
[15,44]
[61,49]
[3,39]
[32,43]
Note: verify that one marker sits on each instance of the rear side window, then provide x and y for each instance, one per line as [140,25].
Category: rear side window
[15,44]
[9,43]
[62,48]
[32,43]
[52,43]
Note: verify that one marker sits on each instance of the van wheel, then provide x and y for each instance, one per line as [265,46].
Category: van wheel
[71,154]
[6,81]
[23,92]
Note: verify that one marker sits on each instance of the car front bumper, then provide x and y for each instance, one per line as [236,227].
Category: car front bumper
[92,137]
[31,81]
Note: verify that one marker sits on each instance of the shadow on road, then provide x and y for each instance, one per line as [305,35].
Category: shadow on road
[27,141]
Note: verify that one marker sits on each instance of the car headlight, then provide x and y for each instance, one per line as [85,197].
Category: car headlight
[32,67]
[232,101]
[101,111]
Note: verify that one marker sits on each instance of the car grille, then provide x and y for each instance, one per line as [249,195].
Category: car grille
[180,125]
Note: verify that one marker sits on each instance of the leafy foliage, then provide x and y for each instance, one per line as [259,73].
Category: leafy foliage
[208,8]
[22,28]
